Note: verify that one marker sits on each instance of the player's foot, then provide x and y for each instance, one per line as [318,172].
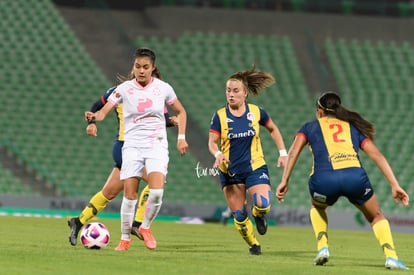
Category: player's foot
[255,250]
[75,226]
[149,240]
[135,230]
[322,257]
[392,263]
[123,245]
[261,224]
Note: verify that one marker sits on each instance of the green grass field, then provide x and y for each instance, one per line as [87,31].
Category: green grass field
[40,246]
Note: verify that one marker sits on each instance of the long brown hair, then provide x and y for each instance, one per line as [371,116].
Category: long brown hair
[254,80]
[142,52]
[330,103]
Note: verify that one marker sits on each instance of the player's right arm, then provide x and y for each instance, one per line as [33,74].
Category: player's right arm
[295,149]
[99,115]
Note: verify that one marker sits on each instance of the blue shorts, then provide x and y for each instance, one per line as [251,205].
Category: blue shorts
[352,183]
[117,153]
[258,176]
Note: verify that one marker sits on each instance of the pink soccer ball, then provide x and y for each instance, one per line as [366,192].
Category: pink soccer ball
[94,235]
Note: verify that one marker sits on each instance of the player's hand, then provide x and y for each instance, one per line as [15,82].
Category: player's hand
[89,116]
[174,120]
[92,130]
[282,161]
[400,195]
[182,146]
[219,160]
[281,191]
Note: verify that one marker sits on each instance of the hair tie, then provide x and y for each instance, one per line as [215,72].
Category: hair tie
[324,108]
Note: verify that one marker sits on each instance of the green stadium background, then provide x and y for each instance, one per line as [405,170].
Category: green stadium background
[56,60]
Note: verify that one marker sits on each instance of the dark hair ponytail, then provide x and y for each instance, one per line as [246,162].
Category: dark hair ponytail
[330,103]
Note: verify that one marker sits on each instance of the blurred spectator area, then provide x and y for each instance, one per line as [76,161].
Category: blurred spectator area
[403,8]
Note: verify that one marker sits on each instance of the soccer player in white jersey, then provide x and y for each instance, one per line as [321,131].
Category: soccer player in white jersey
[145,140]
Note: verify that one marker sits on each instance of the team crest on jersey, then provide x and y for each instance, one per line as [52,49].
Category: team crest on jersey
[156,91]
[130,91]
[250,116]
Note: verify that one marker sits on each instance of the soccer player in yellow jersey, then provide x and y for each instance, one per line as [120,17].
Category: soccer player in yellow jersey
[240,158]
[335,138]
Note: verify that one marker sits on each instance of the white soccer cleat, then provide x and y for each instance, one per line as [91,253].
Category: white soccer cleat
[322,257]
[392,263]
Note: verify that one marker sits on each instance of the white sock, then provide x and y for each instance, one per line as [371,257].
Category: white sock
[127,216]
[152,207]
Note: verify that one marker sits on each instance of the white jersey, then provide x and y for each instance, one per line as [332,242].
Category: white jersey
[143,111]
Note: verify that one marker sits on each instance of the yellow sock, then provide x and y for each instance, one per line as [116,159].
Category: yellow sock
[96,204]
[257,211]
[245,229]
[383,234]
[319,220]
[139,214]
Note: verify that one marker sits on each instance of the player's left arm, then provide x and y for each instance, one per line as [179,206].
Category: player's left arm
[374,153]
[278,140]
[298,143]
[178,108]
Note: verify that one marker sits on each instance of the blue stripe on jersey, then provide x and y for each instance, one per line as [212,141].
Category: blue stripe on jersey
[240,140]
[321,159]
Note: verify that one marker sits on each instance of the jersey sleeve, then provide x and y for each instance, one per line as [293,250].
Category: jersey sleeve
[116,96]
[171,97]
[97,105]
[264,117]
[362,139]
[304,130]
[215,126]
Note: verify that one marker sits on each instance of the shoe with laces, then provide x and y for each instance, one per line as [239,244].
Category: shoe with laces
[75,226]
[149,240]
[123,245]
[255,250]
[391,263]
[261,224]
[322,257]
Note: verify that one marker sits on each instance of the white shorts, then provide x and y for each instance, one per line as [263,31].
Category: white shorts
[135,159]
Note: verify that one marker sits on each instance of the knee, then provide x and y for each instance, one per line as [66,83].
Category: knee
[261,201]
[240,215]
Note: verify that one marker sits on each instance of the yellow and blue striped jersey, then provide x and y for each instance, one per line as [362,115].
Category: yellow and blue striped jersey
[240,138]
[334,143]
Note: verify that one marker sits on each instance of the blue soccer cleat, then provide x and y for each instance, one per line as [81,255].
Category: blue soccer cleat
[392,263]
[322,257]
